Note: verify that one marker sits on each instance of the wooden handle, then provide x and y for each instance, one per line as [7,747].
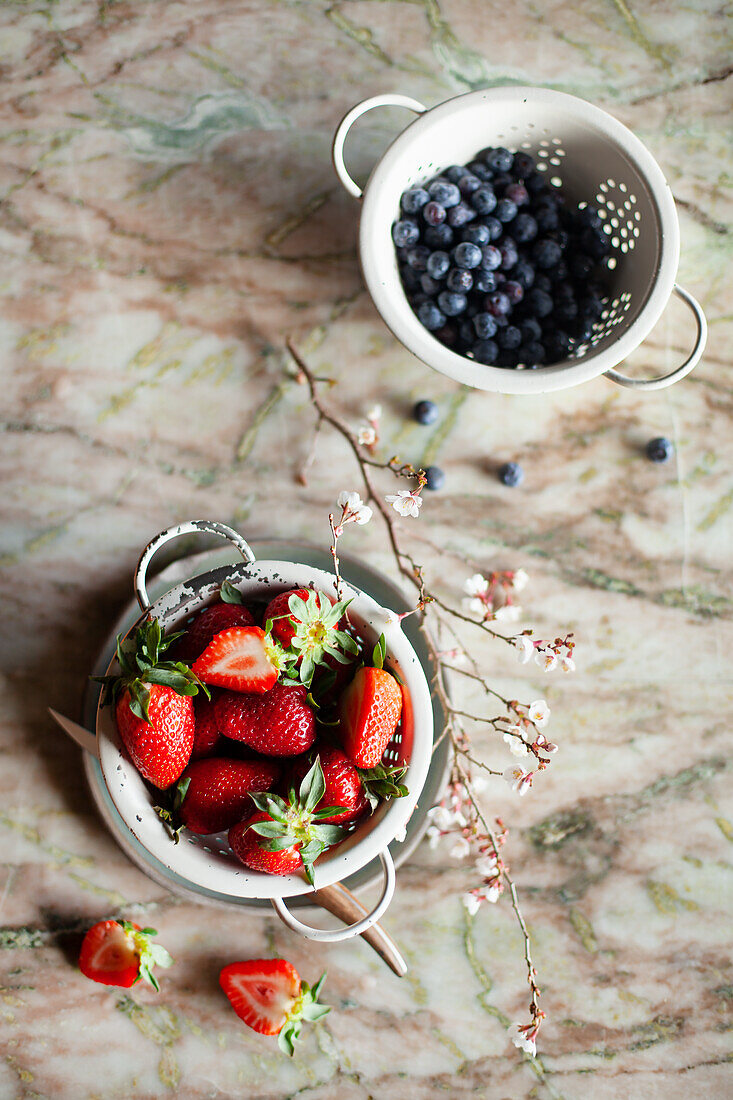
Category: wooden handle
[341,902]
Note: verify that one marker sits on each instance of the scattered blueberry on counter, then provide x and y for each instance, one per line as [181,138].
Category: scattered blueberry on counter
[435,478]
[660,449]
[425,412]
[511,474]
[492,246]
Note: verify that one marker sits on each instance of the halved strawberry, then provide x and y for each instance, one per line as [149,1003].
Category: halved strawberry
[278,723]
[207,624]
[370,710]
[270,997]
[120,953]
[217,795]
[238,659]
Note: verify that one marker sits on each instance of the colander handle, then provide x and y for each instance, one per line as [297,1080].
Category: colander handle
[191,527]
[337,149]
[679,372]
[334,935]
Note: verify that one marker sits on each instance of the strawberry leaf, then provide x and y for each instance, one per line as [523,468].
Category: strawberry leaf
[313,787]
[380,652]
[229,594]
[272,829]
[327,834]
[328,811]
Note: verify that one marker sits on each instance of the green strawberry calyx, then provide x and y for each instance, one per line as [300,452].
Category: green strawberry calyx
[297,822]
[306,1007]
[382,783]
[170,810]
[149,954]
[142,664]
[317,635]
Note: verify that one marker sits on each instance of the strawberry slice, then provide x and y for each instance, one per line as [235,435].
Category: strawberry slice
[238,659]
[120,953]
[370,709]
[270,997]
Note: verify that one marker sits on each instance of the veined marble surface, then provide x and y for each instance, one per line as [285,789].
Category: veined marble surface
[169,214]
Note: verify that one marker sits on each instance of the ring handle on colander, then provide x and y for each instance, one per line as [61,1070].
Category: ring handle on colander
[188,528]
[333,935]
[679,372]
[337,149]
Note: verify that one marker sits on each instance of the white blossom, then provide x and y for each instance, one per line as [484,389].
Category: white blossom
[405,502]
[516,743]
[433,834]
[547,746]
[441,817]
[539,713]
[474,604]
[567,664]
[477,585]
[374,413]
[525,647]
[519,580]
[546,659]
[367,436]
[479,783]
[509,613]
[522,1040]
[460,848]
[518,779]
[491,893]
[486,864]
[472,904]
[355,507]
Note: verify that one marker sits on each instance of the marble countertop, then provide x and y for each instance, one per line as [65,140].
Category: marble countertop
[169,215]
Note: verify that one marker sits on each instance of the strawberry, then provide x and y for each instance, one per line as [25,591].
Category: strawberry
[115,952]
[153,706]
[353,788]
[270,997]
[287,836]
[206,737]
[238,659]
[279,723]
[370,709]
[305,626]
[207,624]
[217,795]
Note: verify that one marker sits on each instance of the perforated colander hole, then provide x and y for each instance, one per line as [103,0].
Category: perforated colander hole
[611,263]
[602,213]
[556,161]
[615,242]
[637,216]
[607,228]
[614,223]
[557,141]
[526,145]
[623,231]
[543,153]
[623,187]
[555,181]
[635,230]
[544,143]
[602,187]
[542,165]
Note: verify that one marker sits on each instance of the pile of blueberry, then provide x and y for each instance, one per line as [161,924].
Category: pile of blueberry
[496,263]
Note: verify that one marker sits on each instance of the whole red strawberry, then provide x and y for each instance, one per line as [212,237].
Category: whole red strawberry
[207,624]
[343,785]
[153,705]
[278,723]
[206,738]
[270,997]
[306,631]
[218,791]
[370,710]
[284,837]
[283,621]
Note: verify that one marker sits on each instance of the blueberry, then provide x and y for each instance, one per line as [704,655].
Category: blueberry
[566,309]
[514,291]
[438,236]
[511,474]
[485,351]
[467,332]
[414,200]
[447,335]
[501,180]
[660,449]
[497,304]
[430,316]
[499,160]
[589,217]
[580,265]
[467,255]
[438,264]
[469,183]
[444,192]
[506,210]
[494,227]
[509,338]
[547,219]
[594,242]
[461,214]
[405,233]
[590,308]
[557,345]
[429,285]
[507,359]
[535,183]
[435,478]
[452,303]
[546,253]
[476,234]
[541,282]
[484,325]
[459,280]
[481,171]
[518,193]
[531,331]
[434,213]
[484,200]
[410,278]
[524,228]
[539,303]
[523,273]
[425,412]
[490,257]
[531,354]
[418,257]
[509,254]
[523,165]
[456,172]
[484,281]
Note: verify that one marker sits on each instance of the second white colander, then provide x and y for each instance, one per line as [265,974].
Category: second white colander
[579,147]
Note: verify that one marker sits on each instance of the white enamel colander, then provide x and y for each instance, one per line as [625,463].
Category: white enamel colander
[207,862]
[579,147]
